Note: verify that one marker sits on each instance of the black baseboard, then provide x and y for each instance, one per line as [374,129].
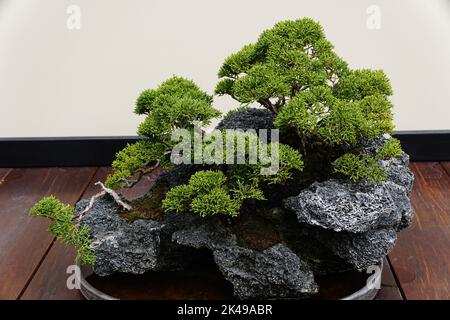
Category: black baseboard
[426,145]
[60,152]
[100,151]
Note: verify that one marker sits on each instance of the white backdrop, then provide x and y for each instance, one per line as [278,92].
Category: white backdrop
[55,81]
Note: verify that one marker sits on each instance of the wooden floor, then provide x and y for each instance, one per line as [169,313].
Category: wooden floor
[33,265]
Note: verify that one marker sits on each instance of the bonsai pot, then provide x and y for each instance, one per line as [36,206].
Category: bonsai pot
[109,285]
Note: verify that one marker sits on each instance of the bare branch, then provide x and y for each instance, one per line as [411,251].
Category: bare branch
[115,196]
[141,173]
[266,103]
[105,191]
[89,206]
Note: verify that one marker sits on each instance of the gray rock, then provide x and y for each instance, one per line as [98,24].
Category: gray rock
[276,272]
[121,246]
[372,146]
[348,206]
[397,169]
[358,221]
[208,232]
[357,207]
[398,172]
[133,247]
[359,250]
[401,199]
[245,119]
[273,273]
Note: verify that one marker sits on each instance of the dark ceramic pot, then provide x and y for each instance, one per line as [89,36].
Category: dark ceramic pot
[91,293]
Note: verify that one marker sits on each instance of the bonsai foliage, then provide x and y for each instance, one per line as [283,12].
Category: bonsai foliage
[323,109]
[287,59]
[135,158]
[358,167]
[223,192]
[208,194]
[293,71]
[63,228]
[390,149]
[176,103]
[289,161]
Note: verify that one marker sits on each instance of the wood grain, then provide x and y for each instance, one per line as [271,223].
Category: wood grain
[446,166]
[24,240]
[421,256]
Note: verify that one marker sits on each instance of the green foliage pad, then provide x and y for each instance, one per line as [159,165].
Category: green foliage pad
[63,228]
[175,103]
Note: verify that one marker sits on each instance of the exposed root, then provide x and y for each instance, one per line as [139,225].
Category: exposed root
[89,206]
[115,196]
[105,191]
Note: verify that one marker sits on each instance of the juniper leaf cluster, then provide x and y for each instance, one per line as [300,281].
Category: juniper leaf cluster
[293,71]
[209,193]
[255,160]
[359,167]
[176,103]
[63,228]
[390,149]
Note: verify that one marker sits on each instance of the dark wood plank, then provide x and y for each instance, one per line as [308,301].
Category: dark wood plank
[389,287]
[421,256]
[446,166]
[24,240]
[50,280]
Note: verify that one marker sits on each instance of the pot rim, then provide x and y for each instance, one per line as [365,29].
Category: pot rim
[89,292]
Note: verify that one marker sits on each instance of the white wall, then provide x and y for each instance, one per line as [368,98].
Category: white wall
[60,82]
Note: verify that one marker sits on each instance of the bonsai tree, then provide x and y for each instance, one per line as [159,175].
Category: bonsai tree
[176,103]
[293,72]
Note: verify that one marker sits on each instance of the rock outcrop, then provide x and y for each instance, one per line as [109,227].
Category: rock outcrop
[358,221]
[273,250]
[276,272]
